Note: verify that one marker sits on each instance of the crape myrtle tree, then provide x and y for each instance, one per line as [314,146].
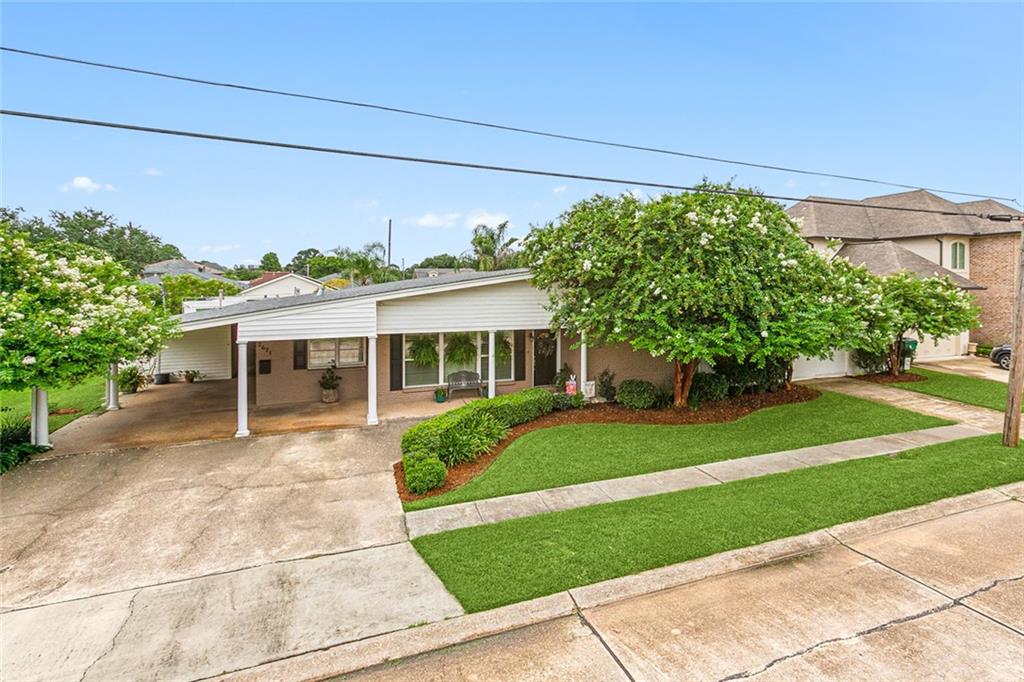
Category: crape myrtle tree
[69,310]
[690,277]
[887,309]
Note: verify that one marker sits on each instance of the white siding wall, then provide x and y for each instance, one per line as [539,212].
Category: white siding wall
[329,320]
[840,364]
[516,305]
[208,350]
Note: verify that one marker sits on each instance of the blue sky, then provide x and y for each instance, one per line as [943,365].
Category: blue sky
[927,94]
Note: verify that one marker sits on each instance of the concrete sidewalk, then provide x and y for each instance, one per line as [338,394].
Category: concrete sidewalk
[982,368]
[981,417]
[894,597]
[492,510]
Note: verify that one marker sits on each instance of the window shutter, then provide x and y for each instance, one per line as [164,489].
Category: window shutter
[519,348]
[397,353]
[299,354]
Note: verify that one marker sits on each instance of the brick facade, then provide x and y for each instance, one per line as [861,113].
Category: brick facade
[993,265]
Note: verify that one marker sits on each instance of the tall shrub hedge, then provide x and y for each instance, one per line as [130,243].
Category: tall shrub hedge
[465,433]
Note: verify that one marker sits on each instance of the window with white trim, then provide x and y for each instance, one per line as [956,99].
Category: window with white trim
[435,373]
[958,256]
[347,352]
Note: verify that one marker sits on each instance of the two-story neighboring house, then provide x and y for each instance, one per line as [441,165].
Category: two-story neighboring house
[979,254]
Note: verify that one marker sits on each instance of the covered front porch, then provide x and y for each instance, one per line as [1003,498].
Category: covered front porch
[207,410]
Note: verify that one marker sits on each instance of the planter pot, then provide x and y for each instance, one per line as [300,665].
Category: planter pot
[439,397]
[161,378]
[329,395]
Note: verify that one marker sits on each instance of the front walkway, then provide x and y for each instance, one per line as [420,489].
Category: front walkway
[980,417]
[463,515]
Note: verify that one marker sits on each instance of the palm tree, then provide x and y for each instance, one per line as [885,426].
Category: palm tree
[492,247]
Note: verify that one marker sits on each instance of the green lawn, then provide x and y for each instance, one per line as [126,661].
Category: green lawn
[85,397]
[563,455]
[965,389]
[493,565]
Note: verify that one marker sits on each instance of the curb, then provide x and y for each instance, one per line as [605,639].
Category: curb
[381,649]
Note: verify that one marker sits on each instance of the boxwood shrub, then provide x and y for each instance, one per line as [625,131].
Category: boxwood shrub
[517,408]
[637,394]
[423,473]
[706,387]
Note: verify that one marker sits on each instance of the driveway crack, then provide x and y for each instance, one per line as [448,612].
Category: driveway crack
[113,640]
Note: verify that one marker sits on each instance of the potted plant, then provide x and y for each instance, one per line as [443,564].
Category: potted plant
[423,351]
[130,379]
[440,395]
[329,382]
[192,376]
[460,349]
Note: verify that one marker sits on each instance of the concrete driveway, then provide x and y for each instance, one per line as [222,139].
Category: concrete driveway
[969,365]
[183,562]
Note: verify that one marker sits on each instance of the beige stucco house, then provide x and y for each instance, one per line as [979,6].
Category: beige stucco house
[978,254]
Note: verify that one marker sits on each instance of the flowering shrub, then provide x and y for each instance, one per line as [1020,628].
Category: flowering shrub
[66,311]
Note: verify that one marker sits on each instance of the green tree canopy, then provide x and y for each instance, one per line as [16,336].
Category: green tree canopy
[270,262]
[301,259]
[178,288]
[128,244]
[689,277]
[492,248]
[67,310]
[442,260]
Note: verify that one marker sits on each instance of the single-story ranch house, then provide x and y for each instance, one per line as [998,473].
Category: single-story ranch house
[285,344]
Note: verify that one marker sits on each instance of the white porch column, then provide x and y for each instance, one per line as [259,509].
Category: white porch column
[558,350]
[34,410]
[371,380]
[583,362]
[40,417]
[243,391]
[492,389]
[113,402]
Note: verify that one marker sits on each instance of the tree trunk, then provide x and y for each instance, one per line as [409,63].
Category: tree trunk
[789,376]
[894,357]
[683,381]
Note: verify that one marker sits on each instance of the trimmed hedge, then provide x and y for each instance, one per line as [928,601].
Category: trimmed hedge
[637,394]
[564,401]
[465,433]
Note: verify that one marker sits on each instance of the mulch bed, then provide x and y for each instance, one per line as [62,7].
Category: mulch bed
[64,410]
[886,378]
[611,413]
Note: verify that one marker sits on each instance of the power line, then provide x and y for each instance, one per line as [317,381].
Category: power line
[474,166]
[485,124]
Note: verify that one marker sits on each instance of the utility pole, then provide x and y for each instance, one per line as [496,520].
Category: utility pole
[1014,398]
[389,242]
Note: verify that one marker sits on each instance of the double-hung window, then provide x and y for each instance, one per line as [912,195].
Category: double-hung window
[324,353]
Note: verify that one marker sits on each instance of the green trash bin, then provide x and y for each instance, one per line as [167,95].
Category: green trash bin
[909,351]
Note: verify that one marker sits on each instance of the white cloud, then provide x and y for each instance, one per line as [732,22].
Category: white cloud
[559,190]
[437,219]
[482,217]
[791,183]
[637,194]
[218,248]
[152,172]
[83,183]
[365,204]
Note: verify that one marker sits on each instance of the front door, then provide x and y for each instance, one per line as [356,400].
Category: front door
[544,366]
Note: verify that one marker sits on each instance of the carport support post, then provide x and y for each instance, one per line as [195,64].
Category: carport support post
[40,418]
[112,397]
[371,380]
[491,385]
[243,392]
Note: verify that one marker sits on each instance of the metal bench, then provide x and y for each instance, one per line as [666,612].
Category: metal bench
[464,381]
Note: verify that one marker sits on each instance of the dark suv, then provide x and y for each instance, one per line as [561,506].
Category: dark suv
[1001,356]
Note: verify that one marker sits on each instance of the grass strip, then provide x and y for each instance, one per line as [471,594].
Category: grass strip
[563,455]
[492,565]
[86,396]
[964,389]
